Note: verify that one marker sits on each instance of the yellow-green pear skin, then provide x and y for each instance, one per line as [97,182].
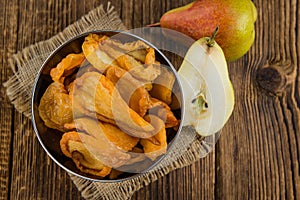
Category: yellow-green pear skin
[198,19]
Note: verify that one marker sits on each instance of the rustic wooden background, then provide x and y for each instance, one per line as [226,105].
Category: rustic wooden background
[258,153]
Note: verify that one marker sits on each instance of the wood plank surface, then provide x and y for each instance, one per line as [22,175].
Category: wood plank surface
[8,43]
[257,156]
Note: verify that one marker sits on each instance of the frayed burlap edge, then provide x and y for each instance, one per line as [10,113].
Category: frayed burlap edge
[188,148]
[25,64]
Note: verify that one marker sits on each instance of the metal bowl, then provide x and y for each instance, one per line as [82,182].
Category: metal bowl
[49,138]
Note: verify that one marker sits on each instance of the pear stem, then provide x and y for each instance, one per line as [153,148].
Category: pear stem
[154,25]
[211,41]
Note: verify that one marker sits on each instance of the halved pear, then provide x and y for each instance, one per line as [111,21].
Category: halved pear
[208,92]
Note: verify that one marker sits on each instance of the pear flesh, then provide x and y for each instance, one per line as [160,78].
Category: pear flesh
[208,92]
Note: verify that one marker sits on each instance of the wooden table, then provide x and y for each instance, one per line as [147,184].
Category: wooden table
[258,153]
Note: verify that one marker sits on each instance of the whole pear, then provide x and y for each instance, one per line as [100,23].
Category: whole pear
[235,19]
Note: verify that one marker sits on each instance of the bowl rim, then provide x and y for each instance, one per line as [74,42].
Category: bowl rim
[114,32]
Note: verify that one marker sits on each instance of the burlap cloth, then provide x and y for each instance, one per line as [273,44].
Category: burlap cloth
[26,64]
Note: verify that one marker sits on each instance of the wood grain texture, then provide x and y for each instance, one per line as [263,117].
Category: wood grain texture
[257,156]
[8,43]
